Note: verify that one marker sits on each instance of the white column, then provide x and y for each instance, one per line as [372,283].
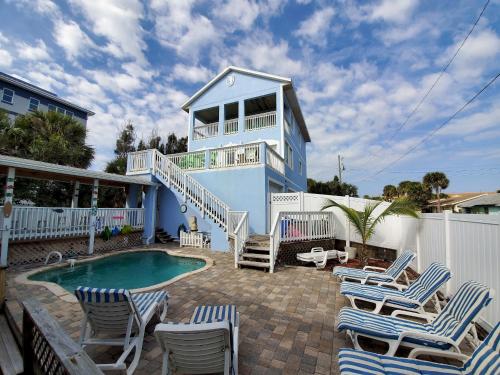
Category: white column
[76,193]
[93,216]
[7,221]
[347,224]
[447,237]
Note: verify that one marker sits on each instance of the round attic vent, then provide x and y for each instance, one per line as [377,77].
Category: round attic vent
[230,80]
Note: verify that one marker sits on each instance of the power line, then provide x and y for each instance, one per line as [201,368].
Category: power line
[428,136]
[415,109]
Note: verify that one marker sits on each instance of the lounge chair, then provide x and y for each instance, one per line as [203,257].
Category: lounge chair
[320,257]
[412,298]
[118,318]
[208,344]
[445,332]
[484,361]
[366,275]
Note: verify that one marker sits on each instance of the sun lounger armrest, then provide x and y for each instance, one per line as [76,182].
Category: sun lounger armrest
[369,268]
[430,337]
[415,353]
[394,285]
[401,299]
[376,275]
[428,317]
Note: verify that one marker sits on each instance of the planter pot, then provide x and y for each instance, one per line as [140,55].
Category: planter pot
[351,251]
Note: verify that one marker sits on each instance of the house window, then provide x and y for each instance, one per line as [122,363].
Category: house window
[52,108]
[61,110]
[33,105]
[300,167]
[8,96]
[287,126]
[288,155]
[69,113]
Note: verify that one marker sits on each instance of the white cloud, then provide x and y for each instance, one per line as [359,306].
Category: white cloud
[391,10]
[315,28]
[191,74]
[5,58]
[36,52]
[118,22]
[70,37]
[238,13]
[46,7]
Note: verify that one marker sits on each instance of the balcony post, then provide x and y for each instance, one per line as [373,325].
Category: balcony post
[221,120]
[241,116]
[7,216]
[262,153]
[132,191]
[207,159]
[76,193]
[93,216]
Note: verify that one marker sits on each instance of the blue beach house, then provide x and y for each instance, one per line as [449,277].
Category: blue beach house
[247,139]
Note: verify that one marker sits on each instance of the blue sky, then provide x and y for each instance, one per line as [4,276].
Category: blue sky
[360,68]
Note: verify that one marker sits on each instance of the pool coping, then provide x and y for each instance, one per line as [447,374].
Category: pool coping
[66,296]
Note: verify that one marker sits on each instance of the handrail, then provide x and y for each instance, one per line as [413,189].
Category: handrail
[260,120]
[274,243]
[240,237]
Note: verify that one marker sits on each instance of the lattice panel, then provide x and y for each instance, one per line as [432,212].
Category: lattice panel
[46,361]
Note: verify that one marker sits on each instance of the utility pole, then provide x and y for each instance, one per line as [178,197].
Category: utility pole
[341,168]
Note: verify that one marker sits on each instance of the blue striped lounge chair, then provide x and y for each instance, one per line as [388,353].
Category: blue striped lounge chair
[484,361]
[412,298]
[446,331]
[206,345]
[117,317]
[377,275]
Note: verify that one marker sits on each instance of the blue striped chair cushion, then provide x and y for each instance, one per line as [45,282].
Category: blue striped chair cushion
[428,282]
[101,295]
[400,264]
[486,358]
[209,314]
[143,301]
[374,293]
[356,273]
[353,362]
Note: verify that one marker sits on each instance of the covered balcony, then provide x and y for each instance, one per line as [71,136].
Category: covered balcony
[260,112]
[206,123]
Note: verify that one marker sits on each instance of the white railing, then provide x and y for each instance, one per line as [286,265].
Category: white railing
[240,237]
[235,156]
[193,239]
[274,160]
[189,160]
[234,219]
[231,126]
[138,162]
[261,120]
[30,223]
[289,226]
[206,131]
[191,189]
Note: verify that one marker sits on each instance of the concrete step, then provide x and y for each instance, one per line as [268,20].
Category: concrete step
[253,264]
[256,256]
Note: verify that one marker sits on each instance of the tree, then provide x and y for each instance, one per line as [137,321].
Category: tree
[390,192]
[124,144]
[365,221]
[50,137]
[436,181]
[333,187]
[175,145]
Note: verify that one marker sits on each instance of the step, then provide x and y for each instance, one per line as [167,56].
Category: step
[11,361]
[253,264]
[256,248]
[255,256]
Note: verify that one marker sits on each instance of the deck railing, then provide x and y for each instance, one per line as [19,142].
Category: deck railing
[241,233]
[29,223]
[235,156]
[231,126]
[138,161]
[261,120]
[193,239]
[274,160]
[189,160]
[205,131]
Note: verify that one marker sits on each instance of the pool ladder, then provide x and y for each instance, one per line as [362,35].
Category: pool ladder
[54,253]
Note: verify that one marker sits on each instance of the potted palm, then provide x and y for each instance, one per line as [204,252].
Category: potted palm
[365,221]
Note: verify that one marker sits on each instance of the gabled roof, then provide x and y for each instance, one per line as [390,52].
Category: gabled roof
[484,200]
[455,198]
[37,90]
[289,92]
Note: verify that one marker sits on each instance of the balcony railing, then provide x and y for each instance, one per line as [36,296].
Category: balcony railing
[231,126]
[261,120]
[234,156]
[206,131]
[189,160]
[274,160]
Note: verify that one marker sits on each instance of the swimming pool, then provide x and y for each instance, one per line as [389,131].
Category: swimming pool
[133,270]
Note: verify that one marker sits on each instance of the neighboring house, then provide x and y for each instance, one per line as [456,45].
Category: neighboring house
[452,202]
[18,97]
[247,139]
[485,204]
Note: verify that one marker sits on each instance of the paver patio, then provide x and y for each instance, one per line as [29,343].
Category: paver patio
[287,318]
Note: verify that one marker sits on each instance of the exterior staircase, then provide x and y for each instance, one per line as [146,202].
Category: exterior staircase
[256,252]
[162,236]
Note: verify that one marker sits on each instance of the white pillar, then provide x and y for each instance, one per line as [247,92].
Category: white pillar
[93,216]
[447,237]
[76,193]
[7,221]
[347,224]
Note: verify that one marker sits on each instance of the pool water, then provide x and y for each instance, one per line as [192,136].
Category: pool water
[129,271]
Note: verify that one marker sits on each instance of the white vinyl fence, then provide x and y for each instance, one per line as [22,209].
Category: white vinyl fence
[193,239]
[468,244]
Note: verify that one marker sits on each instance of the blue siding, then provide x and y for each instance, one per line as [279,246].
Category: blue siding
[22,99]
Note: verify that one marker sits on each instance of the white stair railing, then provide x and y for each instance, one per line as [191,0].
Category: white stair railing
[173,176]
[240,237]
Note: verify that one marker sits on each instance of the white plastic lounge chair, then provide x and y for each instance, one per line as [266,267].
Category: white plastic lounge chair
[388,275]
[208,344]
[445,332]
[320,257]
[484,361]
[118,318]
[412,298]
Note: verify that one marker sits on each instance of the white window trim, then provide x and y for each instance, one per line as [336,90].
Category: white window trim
[37,105]
[13,94]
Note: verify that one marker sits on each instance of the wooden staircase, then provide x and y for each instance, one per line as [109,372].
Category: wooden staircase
[256,252]
[162,236]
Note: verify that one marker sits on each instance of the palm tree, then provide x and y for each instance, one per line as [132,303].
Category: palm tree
[436,181]
[365,221]
[390,192]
